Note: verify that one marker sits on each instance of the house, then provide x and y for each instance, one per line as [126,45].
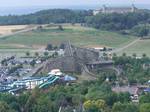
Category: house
[119,10]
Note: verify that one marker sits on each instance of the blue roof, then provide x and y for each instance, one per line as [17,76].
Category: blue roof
[69,78]
[147,90]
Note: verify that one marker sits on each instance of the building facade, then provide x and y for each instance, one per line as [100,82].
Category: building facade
[120,10]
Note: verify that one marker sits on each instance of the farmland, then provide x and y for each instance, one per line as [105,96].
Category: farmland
[4,30]
[78,35]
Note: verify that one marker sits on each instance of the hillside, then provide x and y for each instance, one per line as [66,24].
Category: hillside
[139,48]
[78,35]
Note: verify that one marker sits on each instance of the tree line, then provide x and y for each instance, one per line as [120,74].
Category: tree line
[89,96]
[136,21]
[115,21]
[47,16]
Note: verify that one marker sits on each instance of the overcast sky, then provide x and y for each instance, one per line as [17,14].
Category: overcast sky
[13,3]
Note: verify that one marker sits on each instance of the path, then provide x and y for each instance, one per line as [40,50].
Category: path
[126,46]
[21,31]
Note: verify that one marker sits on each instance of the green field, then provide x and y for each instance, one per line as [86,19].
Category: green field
[141,47]
[80,36]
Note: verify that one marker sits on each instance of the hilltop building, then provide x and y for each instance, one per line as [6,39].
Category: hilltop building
[120,10]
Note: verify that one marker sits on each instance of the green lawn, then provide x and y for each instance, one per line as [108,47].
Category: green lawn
[80,36]
[142,46]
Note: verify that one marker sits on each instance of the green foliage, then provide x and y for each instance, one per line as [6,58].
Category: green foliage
[133,68]
[36,54]
[46,17]
[4,107]
[126,107]
[94,105]
[145,98]
[115,21]
[27,53]
[49,47]
[46,53]
[145,107]
[60,27]
[140,30]
[32,63]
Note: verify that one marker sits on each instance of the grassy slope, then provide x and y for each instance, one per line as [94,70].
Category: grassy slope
[77,35]
[142,46]
[80,36]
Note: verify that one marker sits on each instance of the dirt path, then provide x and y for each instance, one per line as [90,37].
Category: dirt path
[21,31]
[126,46]
[17,32]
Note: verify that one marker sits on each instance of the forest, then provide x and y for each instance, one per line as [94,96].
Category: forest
[47,17]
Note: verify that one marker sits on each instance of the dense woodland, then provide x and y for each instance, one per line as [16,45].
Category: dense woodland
[135,71]
[93,96]
[88,96]
[47,16]
[117,21]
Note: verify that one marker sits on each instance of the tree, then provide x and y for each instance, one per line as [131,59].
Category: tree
[62,46]
[36,54]
[4,107]
[140,30]
[124,54]
[27,53]
[144,55]
[22,100]
[134,55]
[127,107]
[43,104]
[49,47]
[60,28]
[143,32]
[145,99]
[32,63]
[145,107]
[46,54]
[4,62]
[94,105]
[114,55]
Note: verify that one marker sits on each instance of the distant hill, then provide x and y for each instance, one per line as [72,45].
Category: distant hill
[112,22]
[46,17]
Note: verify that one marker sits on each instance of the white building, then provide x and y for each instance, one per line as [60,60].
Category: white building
[106,9]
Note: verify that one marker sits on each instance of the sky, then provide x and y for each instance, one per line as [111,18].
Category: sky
[20,3]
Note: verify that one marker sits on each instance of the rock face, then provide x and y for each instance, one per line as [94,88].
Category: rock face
[73,59]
